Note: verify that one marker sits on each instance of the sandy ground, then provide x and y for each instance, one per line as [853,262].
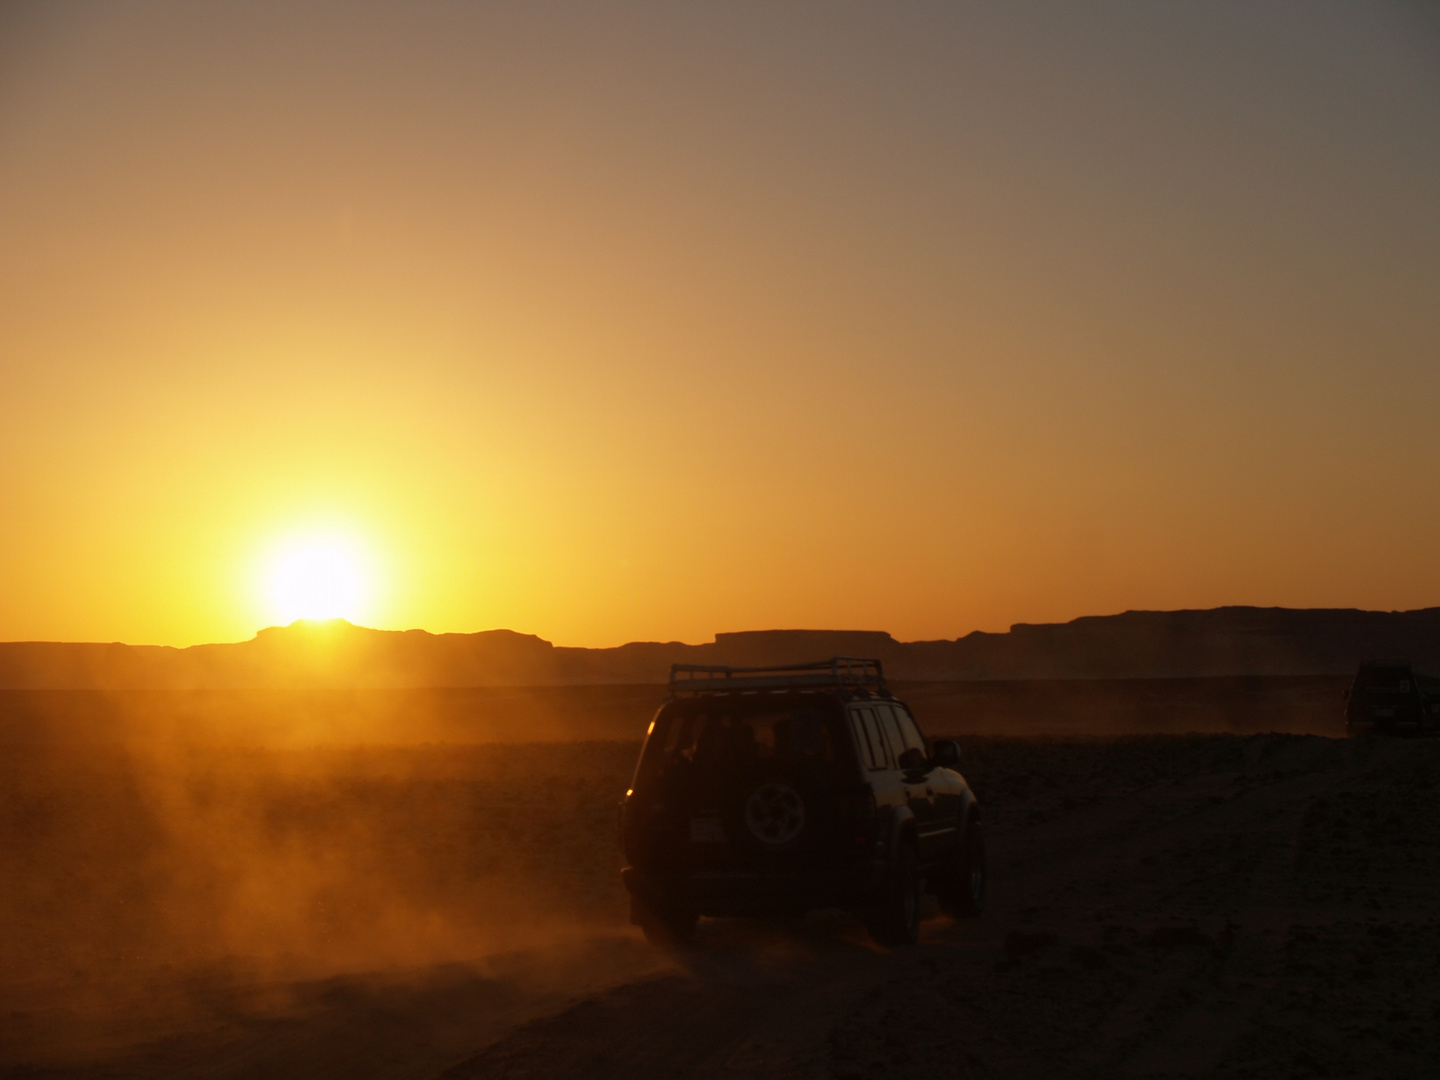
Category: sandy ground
[1205,906]
[1162,905]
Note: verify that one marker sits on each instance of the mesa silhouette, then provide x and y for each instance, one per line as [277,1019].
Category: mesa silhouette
[1229,641]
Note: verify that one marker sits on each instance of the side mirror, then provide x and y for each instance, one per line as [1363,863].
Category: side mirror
[911,760]
[947,754]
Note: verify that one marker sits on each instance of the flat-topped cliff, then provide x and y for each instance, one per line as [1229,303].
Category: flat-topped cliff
[1136,644]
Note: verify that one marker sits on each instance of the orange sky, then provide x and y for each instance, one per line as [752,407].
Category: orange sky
[614,322]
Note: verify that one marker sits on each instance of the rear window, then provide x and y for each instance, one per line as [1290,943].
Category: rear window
[709,738]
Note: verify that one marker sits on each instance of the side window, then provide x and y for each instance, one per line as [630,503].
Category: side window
[862,746]
[892,731]
[867,738]
[909,732]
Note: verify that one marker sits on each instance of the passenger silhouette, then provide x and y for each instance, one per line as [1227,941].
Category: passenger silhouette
[725,747]
[802,736]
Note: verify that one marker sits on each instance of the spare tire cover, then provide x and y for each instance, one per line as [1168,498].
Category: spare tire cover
[782,808]
[774,813]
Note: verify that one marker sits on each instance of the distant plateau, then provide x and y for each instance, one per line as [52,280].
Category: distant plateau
[1221,642]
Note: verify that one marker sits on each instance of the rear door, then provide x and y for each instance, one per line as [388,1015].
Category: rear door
[878,762]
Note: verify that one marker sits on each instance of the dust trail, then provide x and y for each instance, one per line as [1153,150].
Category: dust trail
[174,859]
[1300,705]
[161,858]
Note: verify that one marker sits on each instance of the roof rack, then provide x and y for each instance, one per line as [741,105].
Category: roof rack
[841,672]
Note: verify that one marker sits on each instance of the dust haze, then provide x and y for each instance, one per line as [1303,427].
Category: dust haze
[410,883]
[156,843]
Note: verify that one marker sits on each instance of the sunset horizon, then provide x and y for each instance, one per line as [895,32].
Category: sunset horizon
[627,325]
[777,538]
[321,625]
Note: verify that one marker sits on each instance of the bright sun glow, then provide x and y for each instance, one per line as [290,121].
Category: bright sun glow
[317,577]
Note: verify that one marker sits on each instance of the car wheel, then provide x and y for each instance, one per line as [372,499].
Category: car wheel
[895,918]
[962,894]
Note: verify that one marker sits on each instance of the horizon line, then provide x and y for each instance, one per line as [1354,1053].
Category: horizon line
[328,623]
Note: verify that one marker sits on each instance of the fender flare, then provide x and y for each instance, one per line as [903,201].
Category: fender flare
[902,823]
[968,818]
[969,809]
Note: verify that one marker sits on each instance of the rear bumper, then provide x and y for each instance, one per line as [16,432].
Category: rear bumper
[755,893]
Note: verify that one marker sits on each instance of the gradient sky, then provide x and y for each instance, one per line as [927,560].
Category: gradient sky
[611,322]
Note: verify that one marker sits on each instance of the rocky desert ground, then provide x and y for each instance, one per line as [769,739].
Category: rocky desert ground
[1221,903]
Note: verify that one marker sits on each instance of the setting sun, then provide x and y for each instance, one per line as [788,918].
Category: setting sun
[317,577]
[419,420]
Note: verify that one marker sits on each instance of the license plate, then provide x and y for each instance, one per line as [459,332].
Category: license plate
[707,830]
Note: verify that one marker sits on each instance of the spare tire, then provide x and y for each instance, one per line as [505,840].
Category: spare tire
[774,814]
[777,810]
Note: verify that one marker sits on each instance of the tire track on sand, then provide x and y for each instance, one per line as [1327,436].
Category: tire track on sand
[735,1010]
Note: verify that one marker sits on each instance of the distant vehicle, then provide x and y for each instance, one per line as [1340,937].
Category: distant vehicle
[1389,699]
[773,791]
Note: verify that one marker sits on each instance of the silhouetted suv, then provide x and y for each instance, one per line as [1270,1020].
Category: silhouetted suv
[772,791]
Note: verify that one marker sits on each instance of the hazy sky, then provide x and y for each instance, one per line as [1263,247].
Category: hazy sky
[610,322]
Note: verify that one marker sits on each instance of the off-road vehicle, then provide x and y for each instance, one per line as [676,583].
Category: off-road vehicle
[773,791]
[1389,699]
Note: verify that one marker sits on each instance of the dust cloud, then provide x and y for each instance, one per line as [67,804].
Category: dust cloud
[157,846]
[388,879]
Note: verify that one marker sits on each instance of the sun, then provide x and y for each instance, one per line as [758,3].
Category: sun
[317,576]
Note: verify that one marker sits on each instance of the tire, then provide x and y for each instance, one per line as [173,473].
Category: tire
[665,925]
[895,917]
[777,812]
[774,814]
[962,893]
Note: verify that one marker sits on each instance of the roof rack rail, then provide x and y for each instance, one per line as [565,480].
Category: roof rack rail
[843,672]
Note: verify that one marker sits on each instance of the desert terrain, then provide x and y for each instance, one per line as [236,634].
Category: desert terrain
[1189,878]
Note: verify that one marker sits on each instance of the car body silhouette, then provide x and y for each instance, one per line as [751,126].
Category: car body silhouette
[774,791]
